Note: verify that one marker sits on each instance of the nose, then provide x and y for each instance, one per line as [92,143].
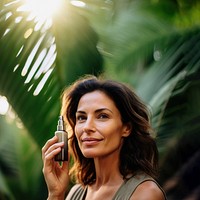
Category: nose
[89,125]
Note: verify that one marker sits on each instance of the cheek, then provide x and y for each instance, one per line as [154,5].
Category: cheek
[114,135]
[116,129]
[78,132]
[77,136]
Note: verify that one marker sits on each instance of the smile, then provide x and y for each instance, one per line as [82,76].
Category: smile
[90,141]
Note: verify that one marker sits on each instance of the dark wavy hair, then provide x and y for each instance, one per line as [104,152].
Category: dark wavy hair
[139,151]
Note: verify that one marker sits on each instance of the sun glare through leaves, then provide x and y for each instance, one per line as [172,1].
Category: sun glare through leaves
[42,9]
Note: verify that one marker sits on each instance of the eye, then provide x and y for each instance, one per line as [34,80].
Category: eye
[80,118]
[103,116]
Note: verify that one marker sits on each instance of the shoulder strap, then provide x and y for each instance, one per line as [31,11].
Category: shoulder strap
[78,193]
[129,186]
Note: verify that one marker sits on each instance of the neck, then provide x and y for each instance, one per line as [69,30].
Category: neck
[107,171]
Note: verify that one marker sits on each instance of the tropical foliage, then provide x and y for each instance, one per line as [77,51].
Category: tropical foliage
[152,45]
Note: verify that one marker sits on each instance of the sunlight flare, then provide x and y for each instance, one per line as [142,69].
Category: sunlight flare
[42,10]
[4,105]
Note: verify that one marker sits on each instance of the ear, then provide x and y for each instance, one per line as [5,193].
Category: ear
[127,129]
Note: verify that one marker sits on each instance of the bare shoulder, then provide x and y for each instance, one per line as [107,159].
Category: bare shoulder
[148,190]
[71,192]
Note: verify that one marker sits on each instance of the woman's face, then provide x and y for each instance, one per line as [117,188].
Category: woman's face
[99,128]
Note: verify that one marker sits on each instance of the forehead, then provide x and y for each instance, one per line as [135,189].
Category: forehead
[96,99]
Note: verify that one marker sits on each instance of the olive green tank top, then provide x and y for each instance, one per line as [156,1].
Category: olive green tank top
[124,192]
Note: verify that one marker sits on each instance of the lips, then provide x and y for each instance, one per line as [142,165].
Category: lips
[90,139]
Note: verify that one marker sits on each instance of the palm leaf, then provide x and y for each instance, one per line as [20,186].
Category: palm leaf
[20,164]
[35,66]
[44,60]
[171,87]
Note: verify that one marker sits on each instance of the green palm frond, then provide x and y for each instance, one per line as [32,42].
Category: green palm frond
[4,189]
[36,64]
[171,87]
[20,164]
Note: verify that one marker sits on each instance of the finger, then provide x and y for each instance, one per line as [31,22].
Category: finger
[53,150]
[50,155]
[49,143]
[65,165]
[48,161]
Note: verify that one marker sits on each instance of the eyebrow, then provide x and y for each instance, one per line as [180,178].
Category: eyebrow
[96,111]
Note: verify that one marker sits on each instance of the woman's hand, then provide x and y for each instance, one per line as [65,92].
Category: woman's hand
[56,175]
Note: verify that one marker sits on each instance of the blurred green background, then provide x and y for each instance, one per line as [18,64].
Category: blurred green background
[152,45]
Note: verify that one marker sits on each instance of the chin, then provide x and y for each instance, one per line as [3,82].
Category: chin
[90,154]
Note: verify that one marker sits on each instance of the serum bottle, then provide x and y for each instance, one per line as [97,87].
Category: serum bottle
[62,137]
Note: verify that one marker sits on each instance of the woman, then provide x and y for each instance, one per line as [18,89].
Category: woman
[114,154]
